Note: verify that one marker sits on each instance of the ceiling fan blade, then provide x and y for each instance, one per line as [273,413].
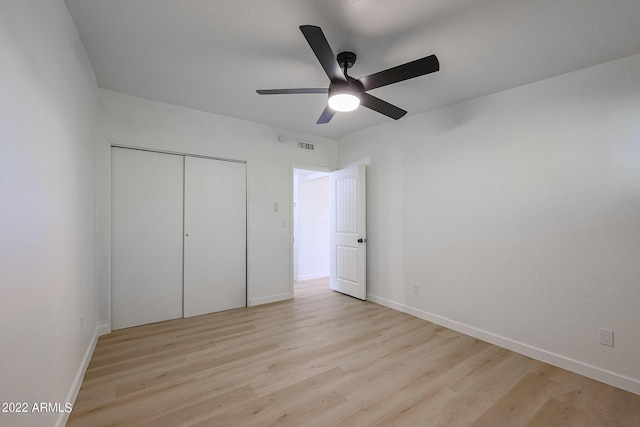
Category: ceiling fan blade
[419,67]
[320,46]
[326,116]
[382,107]
[292,91]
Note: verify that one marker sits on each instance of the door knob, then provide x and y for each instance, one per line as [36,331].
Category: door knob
[361,240]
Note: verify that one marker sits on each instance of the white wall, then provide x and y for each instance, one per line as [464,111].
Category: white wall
[133,121]
[47,207]
[312,227]
[518,215]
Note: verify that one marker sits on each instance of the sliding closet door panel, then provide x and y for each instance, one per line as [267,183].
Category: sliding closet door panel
[146,237]
[215,236]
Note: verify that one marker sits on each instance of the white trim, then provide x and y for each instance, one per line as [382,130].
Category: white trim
[175,153]
[103,330]
[564,362]
[269,299]
[300,278]
[77,382]
[387,303]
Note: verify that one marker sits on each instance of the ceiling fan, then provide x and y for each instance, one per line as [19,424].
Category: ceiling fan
[345,92]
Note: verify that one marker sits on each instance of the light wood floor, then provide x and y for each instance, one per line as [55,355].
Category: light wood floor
[325,359]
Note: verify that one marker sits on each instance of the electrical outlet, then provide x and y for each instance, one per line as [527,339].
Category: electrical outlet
[416,289]
[81,325]
[606,337]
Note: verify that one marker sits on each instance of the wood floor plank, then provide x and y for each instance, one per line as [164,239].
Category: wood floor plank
[556,414]
[278,407]
[520,404]
[325,359]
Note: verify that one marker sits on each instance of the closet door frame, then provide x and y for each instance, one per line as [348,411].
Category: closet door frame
[183,155]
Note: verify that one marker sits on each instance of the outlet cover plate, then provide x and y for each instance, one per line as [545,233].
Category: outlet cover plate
[606,337]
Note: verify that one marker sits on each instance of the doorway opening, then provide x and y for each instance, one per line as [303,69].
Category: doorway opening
[311,205]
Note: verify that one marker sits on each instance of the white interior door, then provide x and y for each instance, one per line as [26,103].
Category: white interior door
[146,237]
[215,236]
[348,232]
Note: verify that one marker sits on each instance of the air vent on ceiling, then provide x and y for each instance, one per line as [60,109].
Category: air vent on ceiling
[303,145]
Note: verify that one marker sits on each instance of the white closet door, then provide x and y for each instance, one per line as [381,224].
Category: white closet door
[215,236]
[146,237]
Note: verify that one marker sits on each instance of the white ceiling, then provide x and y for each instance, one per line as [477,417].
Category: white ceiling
[212,55]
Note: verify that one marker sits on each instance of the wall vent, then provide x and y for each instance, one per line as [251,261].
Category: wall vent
[303,145]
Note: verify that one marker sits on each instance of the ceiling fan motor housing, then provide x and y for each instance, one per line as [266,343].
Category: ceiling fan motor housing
[350,86]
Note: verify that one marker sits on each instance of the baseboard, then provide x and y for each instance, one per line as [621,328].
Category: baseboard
[103,330]
[387,303]
[598,374]
[269,299]
[301,277]
[77,382]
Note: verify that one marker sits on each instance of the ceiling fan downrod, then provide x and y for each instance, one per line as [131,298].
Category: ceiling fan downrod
[346,61]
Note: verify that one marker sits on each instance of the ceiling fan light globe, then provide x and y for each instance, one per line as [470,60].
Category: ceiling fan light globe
[343,102]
